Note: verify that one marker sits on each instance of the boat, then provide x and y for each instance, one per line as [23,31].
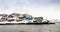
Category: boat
[22,19]
[26,22]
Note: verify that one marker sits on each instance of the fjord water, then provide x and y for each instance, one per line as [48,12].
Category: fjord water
[31,28]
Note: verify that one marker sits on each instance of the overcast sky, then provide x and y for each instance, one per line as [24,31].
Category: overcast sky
[44,8]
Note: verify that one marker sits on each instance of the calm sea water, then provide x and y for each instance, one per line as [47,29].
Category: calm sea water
[30,28]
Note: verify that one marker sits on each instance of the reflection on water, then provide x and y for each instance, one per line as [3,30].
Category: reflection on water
[30,28]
